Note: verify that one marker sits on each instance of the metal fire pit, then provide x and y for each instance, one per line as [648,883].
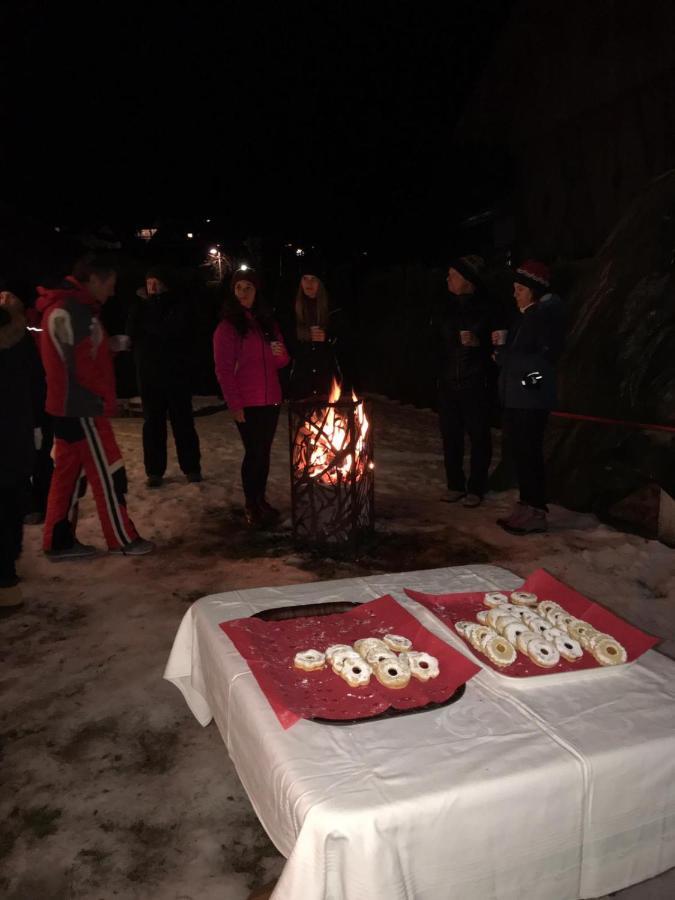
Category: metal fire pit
[332,472]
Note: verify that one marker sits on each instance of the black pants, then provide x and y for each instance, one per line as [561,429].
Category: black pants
[43,468]
[257,433]
[466,412]
[12,508]
[176,402]
[524,429]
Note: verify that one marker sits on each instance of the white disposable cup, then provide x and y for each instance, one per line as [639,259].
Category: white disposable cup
[120,342]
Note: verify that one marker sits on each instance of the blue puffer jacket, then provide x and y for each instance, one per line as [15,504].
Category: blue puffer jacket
[534,345]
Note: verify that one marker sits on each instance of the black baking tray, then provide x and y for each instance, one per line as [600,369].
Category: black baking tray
[282,613]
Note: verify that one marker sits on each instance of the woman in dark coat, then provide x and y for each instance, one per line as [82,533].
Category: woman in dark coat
[527,385]
[314,338]
[161,328]
[21,400]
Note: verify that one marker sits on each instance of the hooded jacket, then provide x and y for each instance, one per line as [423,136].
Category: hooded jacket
[75,353]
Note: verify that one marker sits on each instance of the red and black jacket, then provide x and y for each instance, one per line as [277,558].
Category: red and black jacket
[75,353]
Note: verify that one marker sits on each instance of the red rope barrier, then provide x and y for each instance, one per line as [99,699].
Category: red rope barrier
[604,421]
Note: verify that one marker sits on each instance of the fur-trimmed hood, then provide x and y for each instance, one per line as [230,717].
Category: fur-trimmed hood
[12,320]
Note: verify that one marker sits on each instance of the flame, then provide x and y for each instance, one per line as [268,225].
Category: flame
[328,435]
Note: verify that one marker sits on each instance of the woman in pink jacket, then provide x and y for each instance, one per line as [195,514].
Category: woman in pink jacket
[248,350]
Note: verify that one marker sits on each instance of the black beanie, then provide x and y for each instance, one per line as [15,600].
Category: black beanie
[312,263]
[161,273]
[469,267]
[246,275]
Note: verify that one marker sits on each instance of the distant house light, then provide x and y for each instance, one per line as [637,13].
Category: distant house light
[243,267]
[190,234]
[208,221]
[146,234]
[213,251]
[299,252]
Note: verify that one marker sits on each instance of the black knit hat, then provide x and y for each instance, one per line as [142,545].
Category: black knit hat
[469,267]
[312,263]
[161,273]
[246,275]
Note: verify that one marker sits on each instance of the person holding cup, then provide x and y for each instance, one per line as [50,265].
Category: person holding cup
[313,336]
[527,385]
[160,330]
[249,350]
[463,326]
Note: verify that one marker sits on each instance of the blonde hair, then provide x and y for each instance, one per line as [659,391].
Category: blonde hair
[306,315]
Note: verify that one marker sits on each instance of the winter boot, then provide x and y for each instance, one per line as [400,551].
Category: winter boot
[269,513]
[516,514]
[533,521]
[253,515]
[471,501]
[451,496]
[11,598]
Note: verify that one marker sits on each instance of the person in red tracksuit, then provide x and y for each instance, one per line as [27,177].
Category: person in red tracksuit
[81,396]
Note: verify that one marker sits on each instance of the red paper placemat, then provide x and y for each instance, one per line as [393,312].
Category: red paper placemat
[270,647]
[450,608]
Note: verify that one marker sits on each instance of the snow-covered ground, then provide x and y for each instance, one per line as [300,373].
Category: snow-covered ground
[110,787]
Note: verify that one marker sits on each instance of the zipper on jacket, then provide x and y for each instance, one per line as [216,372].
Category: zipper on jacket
[262,337]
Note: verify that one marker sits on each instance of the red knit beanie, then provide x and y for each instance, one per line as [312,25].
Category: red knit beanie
[533,274]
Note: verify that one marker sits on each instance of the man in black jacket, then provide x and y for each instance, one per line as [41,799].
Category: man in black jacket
[162,329]
[463,327]
[21,398]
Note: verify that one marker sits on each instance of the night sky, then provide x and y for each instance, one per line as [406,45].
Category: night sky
[311,120]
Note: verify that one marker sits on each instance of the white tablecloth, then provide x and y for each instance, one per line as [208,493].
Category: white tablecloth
[548,788]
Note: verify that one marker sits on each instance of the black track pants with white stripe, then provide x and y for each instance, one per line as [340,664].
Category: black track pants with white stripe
[86,450]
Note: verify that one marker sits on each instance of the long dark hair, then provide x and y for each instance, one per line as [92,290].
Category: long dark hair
[317,315]
[234,313]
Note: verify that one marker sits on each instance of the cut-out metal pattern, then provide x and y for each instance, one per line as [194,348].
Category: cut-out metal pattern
[332,471]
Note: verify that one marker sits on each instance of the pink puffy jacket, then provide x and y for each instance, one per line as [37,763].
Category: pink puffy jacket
[246,368]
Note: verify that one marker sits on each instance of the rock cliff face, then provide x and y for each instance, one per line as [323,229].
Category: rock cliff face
[581,96]
[620,363]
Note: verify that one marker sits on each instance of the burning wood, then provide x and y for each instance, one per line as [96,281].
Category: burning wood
[326,451]
[332,477]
